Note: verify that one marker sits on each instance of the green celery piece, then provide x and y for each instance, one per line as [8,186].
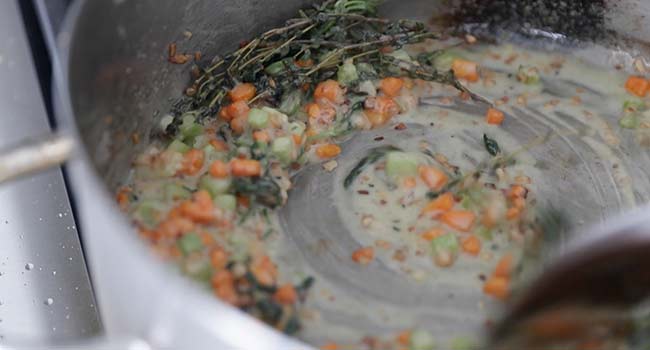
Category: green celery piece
[421,340]
[401,164]
[198,268]
[258,119]
[282,148]
[214,186]
[462,343]
[629,121]
[443,60]
[226,201]
[190,243]
[447,242]
[178,146]
[147,213]
[347,73]
[174,191]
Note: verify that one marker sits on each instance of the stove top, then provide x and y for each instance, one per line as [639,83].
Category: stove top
[45,289]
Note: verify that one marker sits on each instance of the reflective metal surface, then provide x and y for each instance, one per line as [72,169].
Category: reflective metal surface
[45,291]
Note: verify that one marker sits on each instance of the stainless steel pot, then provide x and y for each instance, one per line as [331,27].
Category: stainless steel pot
[112,82]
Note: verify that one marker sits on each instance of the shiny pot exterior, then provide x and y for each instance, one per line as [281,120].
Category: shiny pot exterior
[114,82]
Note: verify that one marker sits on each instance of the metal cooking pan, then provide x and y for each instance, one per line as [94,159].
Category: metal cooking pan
[113,81]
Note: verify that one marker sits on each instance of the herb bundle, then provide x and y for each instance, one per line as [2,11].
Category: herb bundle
[309,49]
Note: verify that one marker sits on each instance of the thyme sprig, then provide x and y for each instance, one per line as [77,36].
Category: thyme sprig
[307,50]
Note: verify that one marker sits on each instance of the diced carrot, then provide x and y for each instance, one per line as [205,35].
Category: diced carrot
[218,258]
[464,69]
[494,116]
[461,220]
[219,145]
[174,227]
[379,110]
[497,287]
[432,234]
[391,86]
[376,119]
[242,92]
[297,139]
[320,114]
[245,167]
[328,150]
[409,182]
[433,177]
[207,239]
[224,286]
[122,197]
[219,169]
[329,90]
[286,295]
[404,338]
[192,162]
[471,245]
[363,255]
[504,267]
[444,203]
[200,209]
[330,346]
[386,106]
[513,213]
[264,270]
[517,191]
[261,136]
[637,86]
[234,110]
[519,203]
[238,124]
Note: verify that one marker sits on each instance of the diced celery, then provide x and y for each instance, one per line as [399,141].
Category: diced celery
[174,191]
[629,121]
[445,243]
[528,75]
[297,128]
[275,68]
[282,148]
[462,343]
[189,129]
[634,105]
[214,186]
[347,73]
[368,87]
[211,154]
[421,340]
[198,267]
[443,60]
[178,146]
[147,213]
[190,243]
[239,245]
[226,201]
[401,164]
[258,119]
[200,141]
[485,233]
